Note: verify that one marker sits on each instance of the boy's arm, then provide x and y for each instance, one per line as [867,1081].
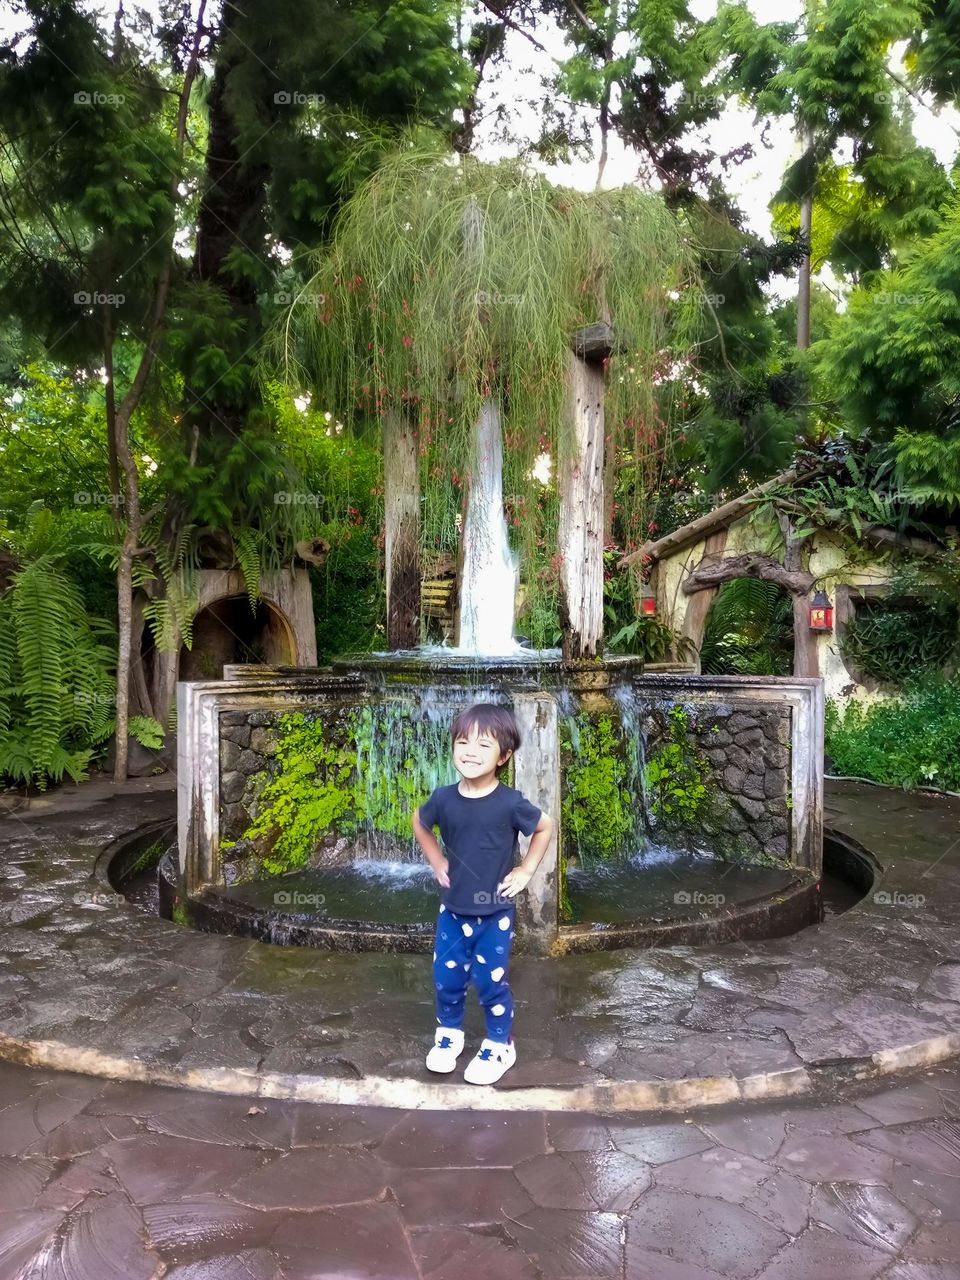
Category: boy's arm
[516,881]
[431,850]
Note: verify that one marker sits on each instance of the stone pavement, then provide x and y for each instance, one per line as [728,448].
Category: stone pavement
[121,1181]
[109,991]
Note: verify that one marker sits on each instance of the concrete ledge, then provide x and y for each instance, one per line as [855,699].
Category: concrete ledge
[414,1094]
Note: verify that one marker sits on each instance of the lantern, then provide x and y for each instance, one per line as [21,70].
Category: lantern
[648,605]
[821,612]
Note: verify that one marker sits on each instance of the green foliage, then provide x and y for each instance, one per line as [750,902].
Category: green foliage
[648,637]
[597,809]
[311,791]
[675,775]
[749,630]
[447,284]
[57,690]
[897,638]
[909,741]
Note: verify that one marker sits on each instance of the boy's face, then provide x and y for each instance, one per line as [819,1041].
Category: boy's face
[477,755]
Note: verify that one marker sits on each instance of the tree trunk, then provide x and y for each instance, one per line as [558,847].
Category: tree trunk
[134,517]
[581,472]
[806,228]
[401,506]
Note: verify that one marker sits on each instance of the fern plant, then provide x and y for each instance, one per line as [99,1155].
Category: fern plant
[57,688]
[749,630]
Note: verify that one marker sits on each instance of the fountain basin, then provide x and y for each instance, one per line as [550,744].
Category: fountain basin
[627,761]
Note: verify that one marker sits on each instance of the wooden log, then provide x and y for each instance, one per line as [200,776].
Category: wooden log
[752,564]
[581,512]
[401,503]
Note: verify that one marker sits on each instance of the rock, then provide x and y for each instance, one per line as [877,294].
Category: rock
[260,718]
[263,740]
[229,755]
[738,757]
[741,720]
[778,845]
[775,783]
[778,757]
[733,779]
[143,762]
[750,739]
[753,808]
[230,719]
[240,734]
[250,762]
[719,739]
[231,787]
[733,821]
[753,786]
[749,842]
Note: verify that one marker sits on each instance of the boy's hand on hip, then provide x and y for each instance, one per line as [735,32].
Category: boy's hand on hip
[514,882]
[443,875]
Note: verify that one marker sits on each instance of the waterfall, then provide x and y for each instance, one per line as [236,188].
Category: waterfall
[489,582]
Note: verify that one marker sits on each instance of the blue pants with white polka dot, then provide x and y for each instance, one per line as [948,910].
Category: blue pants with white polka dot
[474,949]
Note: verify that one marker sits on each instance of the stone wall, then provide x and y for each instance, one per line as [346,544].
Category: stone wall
[749,754]
[247,749]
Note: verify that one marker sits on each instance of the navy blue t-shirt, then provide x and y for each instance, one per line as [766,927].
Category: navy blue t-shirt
[479,836]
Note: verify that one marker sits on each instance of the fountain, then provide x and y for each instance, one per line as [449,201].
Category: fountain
[689,807]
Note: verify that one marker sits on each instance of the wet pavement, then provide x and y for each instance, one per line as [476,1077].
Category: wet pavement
[87,983]
[121,1181]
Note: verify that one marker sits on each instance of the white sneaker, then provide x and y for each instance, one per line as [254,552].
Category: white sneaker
[447,1047]
[491,1061]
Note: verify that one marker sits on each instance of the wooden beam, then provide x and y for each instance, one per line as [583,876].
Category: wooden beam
[580,533]
[708,523]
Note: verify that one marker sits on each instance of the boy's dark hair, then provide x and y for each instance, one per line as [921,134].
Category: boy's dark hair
[499,722]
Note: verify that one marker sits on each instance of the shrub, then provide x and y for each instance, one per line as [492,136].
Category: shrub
[910,741]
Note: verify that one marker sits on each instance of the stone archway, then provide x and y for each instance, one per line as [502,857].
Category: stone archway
[229,631]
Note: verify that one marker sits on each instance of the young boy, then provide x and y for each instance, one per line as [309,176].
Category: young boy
[479,819]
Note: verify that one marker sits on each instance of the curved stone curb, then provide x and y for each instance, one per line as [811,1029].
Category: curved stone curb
[633,1096]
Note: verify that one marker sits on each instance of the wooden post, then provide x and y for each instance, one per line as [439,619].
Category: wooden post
[581,475]
[401,506]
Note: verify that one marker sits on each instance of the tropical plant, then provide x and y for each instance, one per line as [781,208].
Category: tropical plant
[749,630]
[57,690]
[909,741]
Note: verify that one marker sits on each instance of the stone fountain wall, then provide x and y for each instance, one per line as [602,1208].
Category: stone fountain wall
[746,752]
[760,741]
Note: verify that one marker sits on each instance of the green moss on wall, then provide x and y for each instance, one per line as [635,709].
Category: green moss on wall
[596,811]
[312,790]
